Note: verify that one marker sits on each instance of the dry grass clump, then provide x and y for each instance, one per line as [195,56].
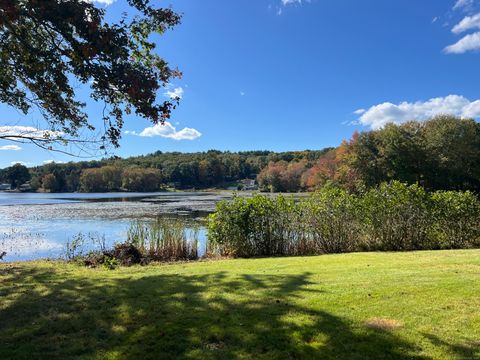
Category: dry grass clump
[383,324]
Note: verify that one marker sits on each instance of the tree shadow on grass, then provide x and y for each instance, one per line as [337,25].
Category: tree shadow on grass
[461,351]
[214,316]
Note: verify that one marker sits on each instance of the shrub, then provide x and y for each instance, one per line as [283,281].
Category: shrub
[229,228]
[330,219]
[457,219]
[259,226]
[396,217]
[109,262]
[392,217]
[264,226]
[126,254]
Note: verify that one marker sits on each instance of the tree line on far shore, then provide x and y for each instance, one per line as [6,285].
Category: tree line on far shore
[211,169]
[440,154]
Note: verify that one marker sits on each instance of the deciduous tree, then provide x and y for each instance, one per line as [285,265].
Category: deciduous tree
[17,175]
[49,47]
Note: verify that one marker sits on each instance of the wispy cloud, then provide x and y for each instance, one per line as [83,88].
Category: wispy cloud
[467,23]
[379,115]
[285,3]
[463,4]
[10,147]
[359,111]
[470,42]
[168,131]
[15,131]
[176,93]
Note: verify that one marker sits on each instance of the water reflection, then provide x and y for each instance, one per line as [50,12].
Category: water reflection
[36,226]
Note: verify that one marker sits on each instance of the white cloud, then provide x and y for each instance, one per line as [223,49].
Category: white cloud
[470,42]
[53,162]
[472,110]
[177,93]
[467,23]
[10,147]
[104,2]
[463,4]
[291,2]
[279,9]
[359,111]
[16,131]
[19,162]
[168,131]
[379,115]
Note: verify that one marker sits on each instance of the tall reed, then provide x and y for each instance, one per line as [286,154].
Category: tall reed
[165,239]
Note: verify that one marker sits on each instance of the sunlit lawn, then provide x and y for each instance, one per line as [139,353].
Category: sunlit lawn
[357,306]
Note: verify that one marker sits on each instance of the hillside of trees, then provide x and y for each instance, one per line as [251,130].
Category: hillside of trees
[440,154]
[154,171]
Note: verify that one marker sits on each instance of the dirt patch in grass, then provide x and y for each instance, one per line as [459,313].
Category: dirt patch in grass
[383,324]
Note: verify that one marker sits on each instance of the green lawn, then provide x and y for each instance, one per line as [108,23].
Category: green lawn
[417,305]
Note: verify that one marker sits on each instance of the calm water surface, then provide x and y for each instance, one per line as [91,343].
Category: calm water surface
[36,225]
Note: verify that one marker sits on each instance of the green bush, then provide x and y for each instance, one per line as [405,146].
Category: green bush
[264,226]
[396,217]
[391,217]
[329,218]
[258,226]
[457,219]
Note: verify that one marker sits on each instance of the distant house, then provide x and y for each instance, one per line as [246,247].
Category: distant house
[249,184]
[25,187]
[175,184]
[4,187]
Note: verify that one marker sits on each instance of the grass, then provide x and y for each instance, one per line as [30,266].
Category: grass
[417,305]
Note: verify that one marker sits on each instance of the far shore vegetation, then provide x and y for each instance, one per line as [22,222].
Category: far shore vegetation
[440,154]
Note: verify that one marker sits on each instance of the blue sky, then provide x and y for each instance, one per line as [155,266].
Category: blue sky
[292,75]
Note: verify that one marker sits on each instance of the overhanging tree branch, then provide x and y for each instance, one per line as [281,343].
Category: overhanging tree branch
[44,44]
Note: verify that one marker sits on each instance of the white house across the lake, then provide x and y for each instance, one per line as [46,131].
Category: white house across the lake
[4,187]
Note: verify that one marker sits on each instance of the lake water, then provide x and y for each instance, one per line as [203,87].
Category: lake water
[38,225]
